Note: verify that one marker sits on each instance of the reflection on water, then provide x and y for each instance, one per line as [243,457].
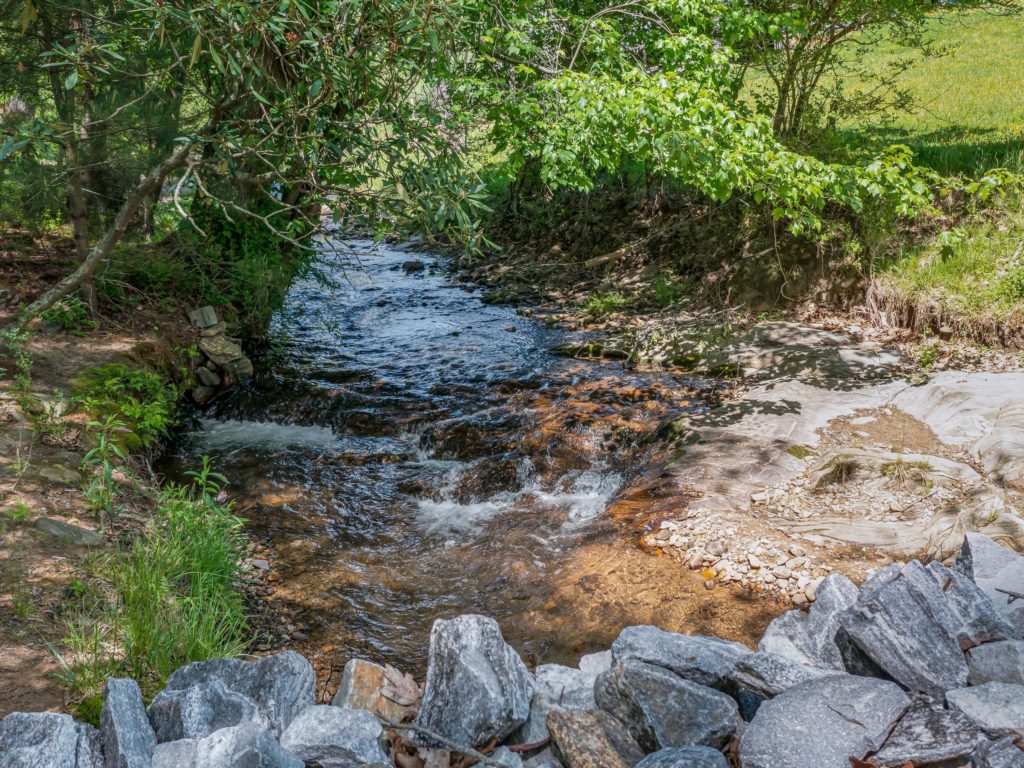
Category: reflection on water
[410,452]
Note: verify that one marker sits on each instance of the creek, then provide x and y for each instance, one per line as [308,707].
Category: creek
[408,452]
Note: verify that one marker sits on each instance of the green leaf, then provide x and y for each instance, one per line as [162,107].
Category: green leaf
[71,80]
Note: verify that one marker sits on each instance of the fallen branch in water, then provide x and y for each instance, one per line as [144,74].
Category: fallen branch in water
[452,745]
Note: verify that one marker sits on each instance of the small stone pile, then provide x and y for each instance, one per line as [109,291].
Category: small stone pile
[224,362]
[921,665]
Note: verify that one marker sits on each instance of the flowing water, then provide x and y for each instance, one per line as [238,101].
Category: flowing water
[409,452]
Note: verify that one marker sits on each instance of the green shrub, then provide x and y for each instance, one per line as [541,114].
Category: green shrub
[69,314]
[143,400]
[604,303]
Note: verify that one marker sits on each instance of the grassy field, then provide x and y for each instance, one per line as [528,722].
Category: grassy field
[970,104]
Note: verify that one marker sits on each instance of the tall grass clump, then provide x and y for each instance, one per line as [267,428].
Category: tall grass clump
[171,597]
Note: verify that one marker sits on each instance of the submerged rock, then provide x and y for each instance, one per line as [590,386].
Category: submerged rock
[47,740]
[333,737]
[684,757]
[929,734]
[128,738]
[477,687]
[592,739]
[811,638]
[280,686]
[703,660]
[661,709]
[902,622]
[822,723]
[997,708]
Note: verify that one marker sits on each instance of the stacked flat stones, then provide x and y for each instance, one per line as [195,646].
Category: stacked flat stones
[224,362]
[921,665]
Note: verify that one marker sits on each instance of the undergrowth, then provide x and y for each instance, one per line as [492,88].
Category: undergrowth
[144,401]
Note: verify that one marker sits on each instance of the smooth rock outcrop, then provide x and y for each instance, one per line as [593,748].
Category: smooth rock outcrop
[684,757]
[902,622]
[661,709]
[929,734]
[996,662]
[811,638]
[280,686]
[240,746]
[334,737]
[128,738]
[703,660]
[823,723]
[993,568]
[997,708]
[591,739]
[48,740]
[557,687]
[977,618]
[199,710]
[477,687]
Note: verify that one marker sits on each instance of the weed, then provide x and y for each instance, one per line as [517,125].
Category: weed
[19,511]
[601,304]
[51,425]
[142,400]
[926,356]
[99,461]
[907,473]
[69,314]
[800,451]
[665,292]
[15,344]
[22,604]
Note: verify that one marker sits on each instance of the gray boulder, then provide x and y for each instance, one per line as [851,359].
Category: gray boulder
[996,662]
[977,618]
[811,638]
[477,687]
[902,623]
[929,734]
[68,533]
[128,738]
[1002,753]
[823,723]
[556,687]
[333,737]
[768,674]
[661,709]
[199,710]
[997,708]
[507,757]
[240,746]
[280,686]
[703,660]
[596,663]
[591,739]
[994,567]
[684,757]
[47,740]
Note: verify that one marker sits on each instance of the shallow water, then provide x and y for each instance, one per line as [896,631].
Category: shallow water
[409,452]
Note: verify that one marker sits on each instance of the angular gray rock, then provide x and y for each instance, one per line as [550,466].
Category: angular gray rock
[822,723]
[661,709]
[199,710]
[47,740]
[997,708]
[596,663]
[811,638]
[703,660]
[333,737]
[280,686]
[978,619]
[768,674]
[684,757]
[507,757]
[556,687]
[902,622]
[994,567]
[929,734]
[68,533]
[591,738]
[996,662]
[128,738]
[1002,753]
[477,687]
[240,746]
[203,317]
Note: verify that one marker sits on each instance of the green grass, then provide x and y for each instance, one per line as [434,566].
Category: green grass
[601,304]
[970,113]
